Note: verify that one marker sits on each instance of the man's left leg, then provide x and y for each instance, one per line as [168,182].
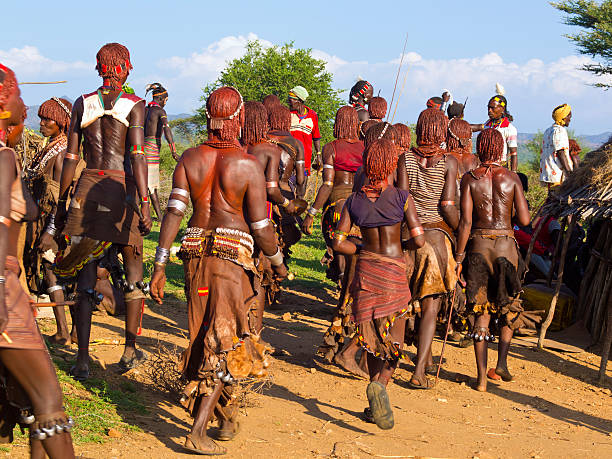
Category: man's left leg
[134,301]
[505,336]
[155,201]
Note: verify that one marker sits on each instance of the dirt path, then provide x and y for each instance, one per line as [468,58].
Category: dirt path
[312,409]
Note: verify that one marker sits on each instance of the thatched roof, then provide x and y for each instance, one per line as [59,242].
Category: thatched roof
[587,191]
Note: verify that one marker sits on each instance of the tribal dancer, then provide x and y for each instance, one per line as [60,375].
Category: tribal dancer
[156,123]
[268,153]
[31,395]
[500,119]
[431,176]
[42,175]
[104,209]
[380,288]
[490,196]
[341,159]
[359,96]
[223,183]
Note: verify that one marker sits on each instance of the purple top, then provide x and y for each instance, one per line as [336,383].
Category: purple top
[387,210]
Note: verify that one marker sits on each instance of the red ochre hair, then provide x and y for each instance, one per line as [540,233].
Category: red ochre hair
[347,123]
[459,138]
[279,118]
[380,161]
[51,110]
[490,146]
[431,127]
[404,136]
[377,108]
[255,123]
[270,101]
[221,103]
[379,131]
[8,84]
[113,62]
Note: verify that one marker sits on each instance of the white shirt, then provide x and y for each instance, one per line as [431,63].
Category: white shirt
[508,132]
[555,139]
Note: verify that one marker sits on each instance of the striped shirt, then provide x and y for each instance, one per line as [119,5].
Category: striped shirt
[426,185]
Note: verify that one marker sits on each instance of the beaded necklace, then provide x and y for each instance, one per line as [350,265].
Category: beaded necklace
[221,144]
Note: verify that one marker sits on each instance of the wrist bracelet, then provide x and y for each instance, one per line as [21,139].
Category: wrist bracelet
[161,255]
[285,203]
[2,280]
[5,221]
[51,229]
[312,211]
[414,232]
[276,259]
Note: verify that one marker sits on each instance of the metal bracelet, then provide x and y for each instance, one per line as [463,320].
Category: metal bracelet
[328,166]
[51,229]
[54,288]
[162,255]
[300,162]
[276,259]
[260,224]
[312,211]
[2,280]
[328,183]
[271,184]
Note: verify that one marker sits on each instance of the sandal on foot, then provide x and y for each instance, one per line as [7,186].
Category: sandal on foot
[228,434]
[492,375]
[79,375]
[127,364]
[503,374]
[367,416]
[415,384]
[217,450]
[380,406]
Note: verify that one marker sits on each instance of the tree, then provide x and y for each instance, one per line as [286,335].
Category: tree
[596,39]
[276,70]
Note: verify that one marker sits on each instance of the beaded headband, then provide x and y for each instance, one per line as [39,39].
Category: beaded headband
[217,123]
[500,100]
[61,104]
[362,91]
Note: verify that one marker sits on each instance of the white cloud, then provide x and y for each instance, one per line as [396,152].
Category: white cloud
[28,61]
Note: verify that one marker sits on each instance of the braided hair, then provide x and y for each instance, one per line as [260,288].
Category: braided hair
[404,136]
[255,122]
[270,101]
[431,127]
[8,84]
[459,136]
[58,110]
[377,108]
[380,162]
[490,146]
[381,130]
[346,123]
[113,63]
[222,104]
[279,118]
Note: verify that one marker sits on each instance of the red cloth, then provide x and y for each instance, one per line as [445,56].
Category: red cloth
[524,239]
[349,155]
[305,128]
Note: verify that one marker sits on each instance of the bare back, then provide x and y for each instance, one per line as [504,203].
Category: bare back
[225,185]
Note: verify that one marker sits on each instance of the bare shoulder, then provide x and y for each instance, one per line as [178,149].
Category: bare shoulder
[451,160]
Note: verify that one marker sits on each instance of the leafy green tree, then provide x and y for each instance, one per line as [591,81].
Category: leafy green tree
[596,38]
[276,70]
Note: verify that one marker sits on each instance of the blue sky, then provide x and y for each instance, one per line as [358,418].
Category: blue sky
[464,46]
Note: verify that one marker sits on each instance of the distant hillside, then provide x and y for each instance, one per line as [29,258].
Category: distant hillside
[591,141]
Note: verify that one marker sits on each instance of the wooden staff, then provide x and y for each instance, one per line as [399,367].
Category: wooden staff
[53,305]
[553,303]
[448,322]
[534,236]
[43,82]
[555,258]
[400,94]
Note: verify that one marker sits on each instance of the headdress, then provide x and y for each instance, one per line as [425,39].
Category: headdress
[359,89]
[560,113]
[215,123]
[157,89]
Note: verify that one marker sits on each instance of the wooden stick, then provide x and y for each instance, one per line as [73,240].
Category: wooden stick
[400,94]
[397,76]
[553,303]
[53,305]
[555,258]
[43,82]
[607,342]
[7,337]
[534,236]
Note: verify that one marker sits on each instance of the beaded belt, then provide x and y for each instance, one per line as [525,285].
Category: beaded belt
[225,243]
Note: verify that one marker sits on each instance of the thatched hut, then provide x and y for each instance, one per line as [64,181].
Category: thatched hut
[587,194]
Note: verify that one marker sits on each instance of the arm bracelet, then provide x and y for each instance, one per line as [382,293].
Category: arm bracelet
[259,224]
[328,166]
[161,255]
[72,156]
[312,211]
[6,221]
[276,259]
[2,280]
[178,205]
[328,183]
[180,192]
[271,184]
[414,232]
[447,203]
[302,162]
